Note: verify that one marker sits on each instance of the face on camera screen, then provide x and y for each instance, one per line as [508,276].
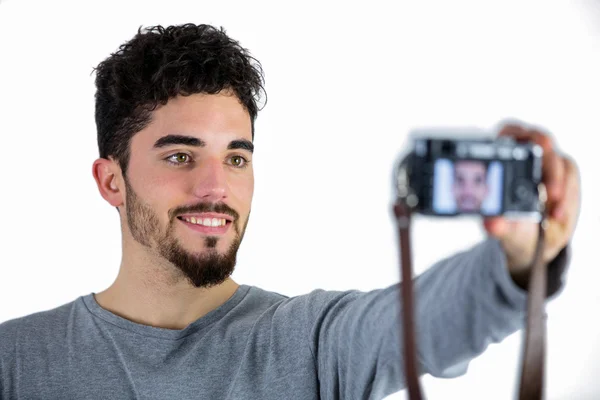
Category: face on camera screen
[467,186]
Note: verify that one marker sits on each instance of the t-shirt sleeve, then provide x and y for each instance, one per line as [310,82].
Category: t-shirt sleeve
[463,303]
[7,357]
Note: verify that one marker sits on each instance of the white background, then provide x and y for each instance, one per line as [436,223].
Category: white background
[346,82]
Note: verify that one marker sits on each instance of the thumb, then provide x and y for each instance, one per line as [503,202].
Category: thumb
[497,227]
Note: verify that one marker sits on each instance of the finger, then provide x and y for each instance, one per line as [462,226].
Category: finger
[559,208]
[512,130]
[573,201]
[553,168]
[566,210]
[496,226]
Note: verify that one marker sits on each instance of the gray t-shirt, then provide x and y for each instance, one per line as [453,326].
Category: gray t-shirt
[264,345]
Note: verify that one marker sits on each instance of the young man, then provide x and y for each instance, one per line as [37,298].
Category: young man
[470,186]
[175,111]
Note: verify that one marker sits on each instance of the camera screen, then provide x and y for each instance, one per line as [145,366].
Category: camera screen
[467,186]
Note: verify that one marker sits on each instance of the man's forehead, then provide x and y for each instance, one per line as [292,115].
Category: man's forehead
[470,164]
[201,115]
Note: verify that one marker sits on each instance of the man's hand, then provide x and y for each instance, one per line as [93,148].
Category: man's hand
[561,177]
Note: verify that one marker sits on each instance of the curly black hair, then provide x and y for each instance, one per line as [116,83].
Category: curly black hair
[160,63]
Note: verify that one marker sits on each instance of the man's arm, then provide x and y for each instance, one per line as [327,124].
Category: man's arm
[463,303]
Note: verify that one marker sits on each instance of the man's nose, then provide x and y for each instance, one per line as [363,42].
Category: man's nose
[210,181]
[470,186]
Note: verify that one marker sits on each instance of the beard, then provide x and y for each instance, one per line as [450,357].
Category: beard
[469,203]
[202,269]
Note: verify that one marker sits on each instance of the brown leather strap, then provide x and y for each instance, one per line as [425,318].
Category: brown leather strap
[403,215]
[532,373]
[533,361]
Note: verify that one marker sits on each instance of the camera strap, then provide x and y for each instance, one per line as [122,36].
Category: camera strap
[533,356]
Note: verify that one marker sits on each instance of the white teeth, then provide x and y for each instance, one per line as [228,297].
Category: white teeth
[207,221]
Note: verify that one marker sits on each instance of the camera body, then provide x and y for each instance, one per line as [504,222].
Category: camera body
[480,176]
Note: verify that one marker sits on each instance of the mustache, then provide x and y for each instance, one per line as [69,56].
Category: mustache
[220,208]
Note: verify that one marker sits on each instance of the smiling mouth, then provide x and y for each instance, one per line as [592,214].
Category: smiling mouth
[213,226]
[204,221]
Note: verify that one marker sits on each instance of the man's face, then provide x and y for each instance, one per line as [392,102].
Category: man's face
[189,185]
[470,185]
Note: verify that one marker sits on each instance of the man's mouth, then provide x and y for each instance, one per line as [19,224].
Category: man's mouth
[468,203]
[209,224]
[205,221]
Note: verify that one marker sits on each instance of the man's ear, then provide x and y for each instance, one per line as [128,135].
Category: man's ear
[109,180]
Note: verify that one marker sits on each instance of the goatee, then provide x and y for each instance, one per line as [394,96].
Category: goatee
[205,269]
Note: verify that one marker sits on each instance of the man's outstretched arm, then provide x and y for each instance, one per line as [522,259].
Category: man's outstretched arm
[463,303]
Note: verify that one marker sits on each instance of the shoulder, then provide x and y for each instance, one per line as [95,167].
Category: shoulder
[308,305]
[34,329]
[315,297]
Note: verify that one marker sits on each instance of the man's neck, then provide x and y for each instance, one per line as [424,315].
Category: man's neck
[156,295]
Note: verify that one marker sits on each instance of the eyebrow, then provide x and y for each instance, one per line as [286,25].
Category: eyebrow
[243,144]
[171,140]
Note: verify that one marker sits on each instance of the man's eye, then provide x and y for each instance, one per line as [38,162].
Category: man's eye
[238,161]
[179,158]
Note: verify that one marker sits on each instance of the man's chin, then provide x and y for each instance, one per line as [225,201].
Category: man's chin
[469,208]
[207,246]
[205,268]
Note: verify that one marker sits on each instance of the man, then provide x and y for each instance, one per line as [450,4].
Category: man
[470,186]
[175,111]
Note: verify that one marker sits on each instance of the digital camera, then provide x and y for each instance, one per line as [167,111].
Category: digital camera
[447,176]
